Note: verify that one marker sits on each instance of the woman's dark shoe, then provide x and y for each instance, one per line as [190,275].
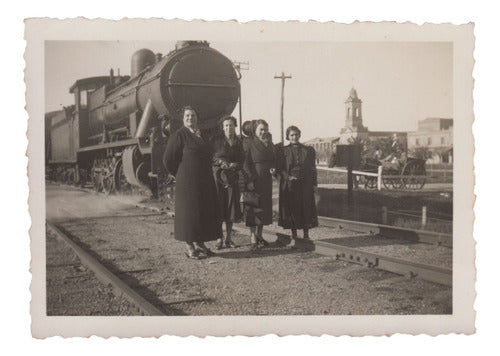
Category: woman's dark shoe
[200,247]
[219,245]
[254,247]
[263,242]
[207,252]
[194,255]
[230,244]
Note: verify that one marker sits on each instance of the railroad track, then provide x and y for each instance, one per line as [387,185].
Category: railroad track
[432,273]
[328,247]
[120,288]
[410,235]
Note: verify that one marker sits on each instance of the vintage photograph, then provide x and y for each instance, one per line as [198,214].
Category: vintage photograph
[286,177]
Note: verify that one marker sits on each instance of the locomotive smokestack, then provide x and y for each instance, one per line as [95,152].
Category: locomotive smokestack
[111,76]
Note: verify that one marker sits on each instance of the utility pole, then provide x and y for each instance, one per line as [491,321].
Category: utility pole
[283,77]
[239,66]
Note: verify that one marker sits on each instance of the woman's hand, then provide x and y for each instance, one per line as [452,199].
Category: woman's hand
[250,186]
[233,165]
[272,171]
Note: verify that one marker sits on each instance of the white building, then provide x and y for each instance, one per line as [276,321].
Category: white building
[436,134]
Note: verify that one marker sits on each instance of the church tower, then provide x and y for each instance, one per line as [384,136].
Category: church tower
[353,127]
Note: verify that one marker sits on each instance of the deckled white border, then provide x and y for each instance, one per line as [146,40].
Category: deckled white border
[463,317]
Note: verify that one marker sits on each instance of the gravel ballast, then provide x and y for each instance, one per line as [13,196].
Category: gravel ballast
[74,290]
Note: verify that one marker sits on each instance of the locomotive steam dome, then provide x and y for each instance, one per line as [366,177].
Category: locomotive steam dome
[140,60]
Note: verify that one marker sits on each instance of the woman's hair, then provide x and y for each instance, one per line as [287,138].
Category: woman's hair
[290,129]
[227,117]
[189,107]
[246,128]
[258,122]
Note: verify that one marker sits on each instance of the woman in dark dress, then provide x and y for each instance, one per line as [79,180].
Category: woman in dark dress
[259,167]
[227,162]
[188,157]
[298,183]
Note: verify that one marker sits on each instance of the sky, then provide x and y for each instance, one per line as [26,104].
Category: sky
[398,82]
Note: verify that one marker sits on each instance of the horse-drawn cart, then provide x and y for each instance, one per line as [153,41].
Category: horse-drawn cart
[407,174]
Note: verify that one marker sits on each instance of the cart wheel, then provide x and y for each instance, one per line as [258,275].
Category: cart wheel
[387,182]
[370,182]
[397,183]
[415,170]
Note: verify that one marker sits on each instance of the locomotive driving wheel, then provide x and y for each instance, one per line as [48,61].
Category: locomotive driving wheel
[108,182]
[96,177]
[121,183]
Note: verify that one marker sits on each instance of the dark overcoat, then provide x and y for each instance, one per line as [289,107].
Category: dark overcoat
[189,158]
[259,159]
[297,206]
[229,196]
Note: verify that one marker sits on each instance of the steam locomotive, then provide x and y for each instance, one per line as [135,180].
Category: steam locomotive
[116,132]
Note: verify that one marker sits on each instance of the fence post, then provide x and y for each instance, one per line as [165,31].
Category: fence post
[379,178]
[424,216]
[384,215]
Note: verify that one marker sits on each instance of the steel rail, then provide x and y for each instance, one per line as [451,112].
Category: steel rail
[120,288]
[399,266]
[422,236]
[431,273]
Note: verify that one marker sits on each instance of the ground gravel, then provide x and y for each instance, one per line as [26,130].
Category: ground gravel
[273,281]
[72,289]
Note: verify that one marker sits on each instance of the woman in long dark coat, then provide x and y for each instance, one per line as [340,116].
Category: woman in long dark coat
[259,168]
[188,157]
[227,163]
[297,168]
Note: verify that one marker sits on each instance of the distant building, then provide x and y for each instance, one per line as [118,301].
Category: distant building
[324,147]
[436,134]
[353,131]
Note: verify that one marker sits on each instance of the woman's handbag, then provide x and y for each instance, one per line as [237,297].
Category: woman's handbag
[250,198]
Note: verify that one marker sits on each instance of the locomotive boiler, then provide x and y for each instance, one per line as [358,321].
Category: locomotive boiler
[116,133]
